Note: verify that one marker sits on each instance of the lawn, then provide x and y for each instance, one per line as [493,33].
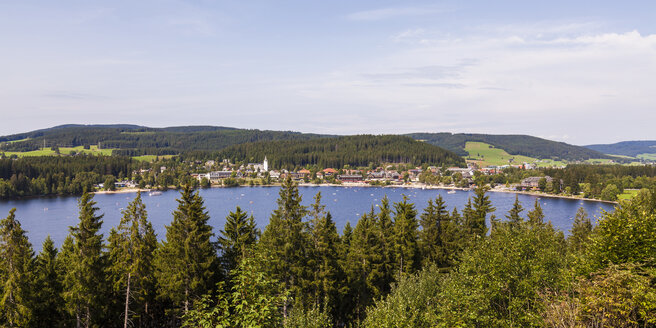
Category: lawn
[628,194]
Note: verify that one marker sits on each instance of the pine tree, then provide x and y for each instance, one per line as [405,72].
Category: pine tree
[513,215]
[385,227]
[186,263]
[345,304]
[285,240]
[536,216]
[48,310]
[408,258]
[482,206]
[364,254]
[324,266]
[238,236]
[434,223]
[580,232]
[131,249]
[84,289]
[17,255]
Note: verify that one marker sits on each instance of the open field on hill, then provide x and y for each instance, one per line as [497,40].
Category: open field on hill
[150,158]
[486,154]
[93,150]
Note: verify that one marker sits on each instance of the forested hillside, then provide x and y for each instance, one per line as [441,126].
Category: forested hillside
[361,150]
[513,144]
[626,148]
[132,140]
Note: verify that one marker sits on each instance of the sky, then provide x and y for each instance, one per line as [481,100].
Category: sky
[581,72]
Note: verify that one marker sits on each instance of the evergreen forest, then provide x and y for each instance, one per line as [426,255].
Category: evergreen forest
[395,267]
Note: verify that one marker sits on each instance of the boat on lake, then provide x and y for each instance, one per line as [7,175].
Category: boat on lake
[155,193]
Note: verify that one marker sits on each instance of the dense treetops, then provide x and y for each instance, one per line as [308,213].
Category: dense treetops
[397,268]
[513,144]
[137,140]
[361,150]
[132,140]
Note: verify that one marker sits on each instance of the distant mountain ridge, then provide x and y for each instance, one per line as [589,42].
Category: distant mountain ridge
[133,140]
[513,144]
[626,148]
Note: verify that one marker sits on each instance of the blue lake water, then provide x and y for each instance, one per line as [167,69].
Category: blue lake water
[52,216]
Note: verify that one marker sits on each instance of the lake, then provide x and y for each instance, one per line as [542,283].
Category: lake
[52,216]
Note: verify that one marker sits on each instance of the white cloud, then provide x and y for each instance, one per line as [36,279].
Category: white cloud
[507,83]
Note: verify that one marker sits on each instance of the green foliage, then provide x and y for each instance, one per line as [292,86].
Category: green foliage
[513,216]
[499,280]
[580,232]
[186,264]
[616,296]
[237,238]
[285,240]
[131,249]
[627,234]
[17,286]
[438,234]
[313,318]
[323,259]
[341,151]
[253,300]
[48,307]
[476,213]
[85,265]
[408,256]
[513,144]
[610,192]
[411,302]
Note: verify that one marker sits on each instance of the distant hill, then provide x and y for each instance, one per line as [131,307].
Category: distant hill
[513,144]
[140,140]
[135,140]
[359,150]
[626,148]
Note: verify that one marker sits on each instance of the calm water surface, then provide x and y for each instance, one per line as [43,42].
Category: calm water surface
[52,216]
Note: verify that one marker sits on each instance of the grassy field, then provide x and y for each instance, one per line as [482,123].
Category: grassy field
[485,155]
[93,150]
[648,157]
[150,158]
[628,194]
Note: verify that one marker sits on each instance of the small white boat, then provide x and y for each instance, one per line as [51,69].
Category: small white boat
[451,192]
[155,193]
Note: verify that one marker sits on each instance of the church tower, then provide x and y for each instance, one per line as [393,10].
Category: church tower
[265,164]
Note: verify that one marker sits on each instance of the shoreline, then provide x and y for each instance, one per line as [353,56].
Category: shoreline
[366,185]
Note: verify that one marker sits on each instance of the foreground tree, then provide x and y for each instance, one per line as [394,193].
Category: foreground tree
[131,248]
[324,241]
[253,300]
[48,308]
[434,225]
[84,283]
[186,264]
[285,241]
[237,238]
[408,257]
[16,254]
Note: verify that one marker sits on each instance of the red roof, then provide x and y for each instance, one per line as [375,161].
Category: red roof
[330,170]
